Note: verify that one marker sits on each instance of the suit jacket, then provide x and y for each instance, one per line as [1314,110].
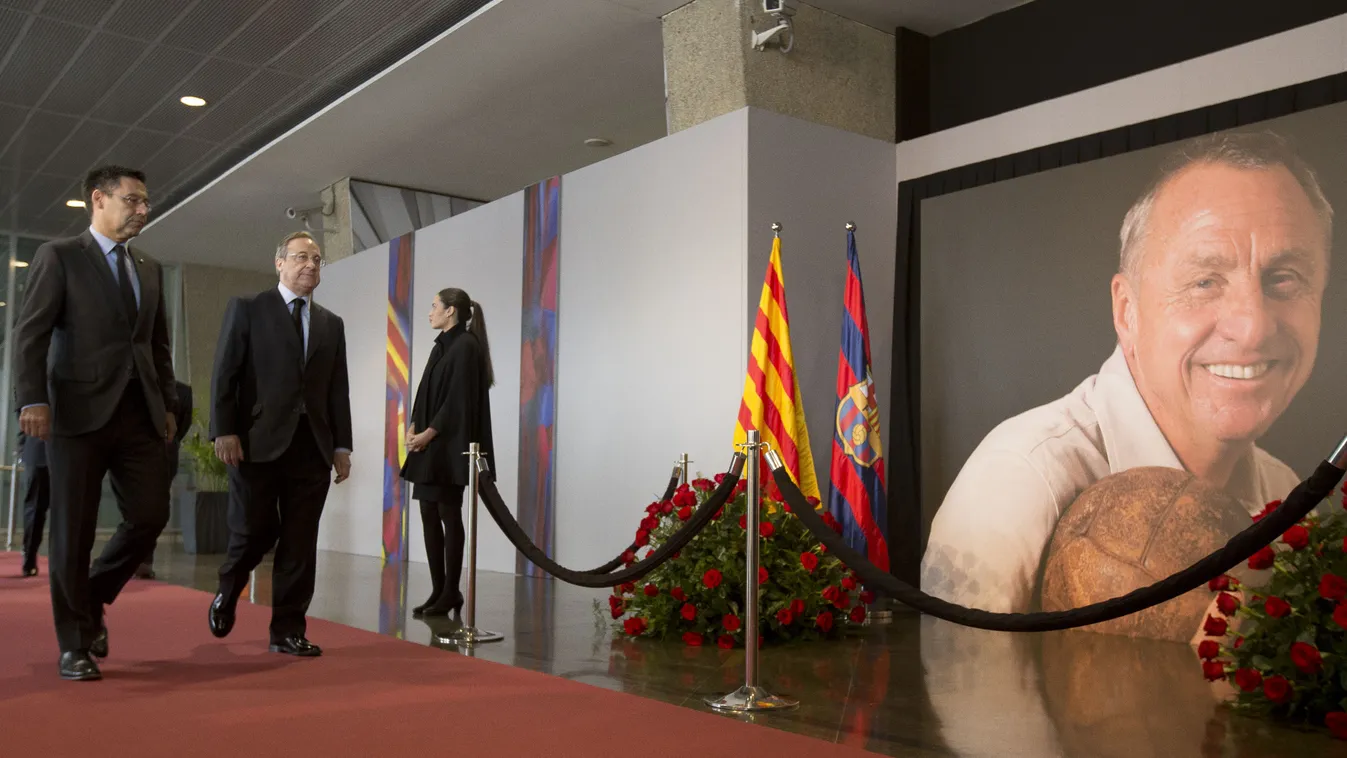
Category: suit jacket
[451,398]
[263,382]
[32,451]
[75,347]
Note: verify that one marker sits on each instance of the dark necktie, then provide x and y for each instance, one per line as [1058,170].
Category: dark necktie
[124,283]
[297,315]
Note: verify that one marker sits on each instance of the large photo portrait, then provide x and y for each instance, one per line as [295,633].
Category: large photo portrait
[1123,361]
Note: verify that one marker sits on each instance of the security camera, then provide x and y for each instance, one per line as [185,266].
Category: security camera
[782,11]
[291,213]
[780,7]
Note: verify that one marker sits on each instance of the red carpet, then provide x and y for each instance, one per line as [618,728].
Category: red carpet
[171,689]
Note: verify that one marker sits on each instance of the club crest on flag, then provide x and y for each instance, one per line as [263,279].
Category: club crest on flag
[858,423]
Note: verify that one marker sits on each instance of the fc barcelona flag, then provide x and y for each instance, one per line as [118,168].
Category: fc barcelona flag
[856,478]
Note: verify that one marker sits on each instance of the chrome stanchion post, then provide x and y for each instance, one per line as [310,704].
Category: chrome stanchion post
[13,489]
[469,634]
[683,468]
[751,697]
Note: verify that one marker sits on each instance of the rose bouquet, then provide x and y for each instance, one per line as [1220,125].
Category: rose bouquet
[697,596]
[1283,644]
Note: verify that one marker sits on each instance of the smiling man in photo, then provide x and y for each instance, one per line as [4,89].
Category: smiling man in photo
[1223,266]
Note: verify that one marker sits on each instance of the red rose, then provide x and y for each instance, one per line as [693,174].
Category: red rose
[684,513]
[784,617]
[719,478]
[797,607]
[652,509]
[719,513]
[743,521]
[843,601]
[1248,679]
[725,642]
[1340,615]
[825,621]
[677,593]
[689,611]
[1238,641]
[1207,650]
[1277,608]
[651,590]
[1219,584]
[831,593]
[1213,670]
[1262,559]
[730,622]
[1298,537]
[615,601]
[1267,510]
[628,557]
[1277,689]
[705,484]
[1344,544]
[627,588]
[1332,587]
[617,613]
[674,557]
[858,614]
[649,523]
[684,497]
[634,625]
[1306,657]
[692,639]
[867,597]
[740,488]
[1227,603]
[712,579]
[666,507]
[766,529]
[809,561]
[1215,627]
[763,575]
[642,538]
[848,584]
[1337,724]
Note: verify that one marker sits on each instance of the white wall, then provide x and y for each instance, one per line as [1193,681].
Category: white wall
[651,347]
[814,179]
[1299,55]
[481,252]
[356,288]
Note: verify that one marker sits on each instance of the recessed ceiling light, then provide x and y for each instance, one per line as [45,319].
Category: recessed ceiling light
[192,100]
[20,264]
[598,142]
[2,303]
[74,203]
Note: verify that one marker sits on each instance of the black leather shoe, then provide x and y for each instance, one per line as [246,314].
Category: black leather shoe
[99,647]
[221,616]
[296,645]
[29,570]
[77,666]
[145,572]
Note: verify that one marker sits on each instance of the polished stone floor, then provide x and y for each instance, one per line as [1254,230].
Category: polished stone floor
[912,687]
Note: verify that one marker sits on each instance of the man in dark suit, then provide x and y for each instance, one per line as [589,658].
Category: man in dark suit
[146,569]
[281,421]
[94,380]
[36,498]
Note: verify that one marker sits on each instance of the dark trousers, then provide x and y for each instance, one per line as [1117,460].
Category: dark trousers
[36,504]
[442,527]
[278,503]
[131,450]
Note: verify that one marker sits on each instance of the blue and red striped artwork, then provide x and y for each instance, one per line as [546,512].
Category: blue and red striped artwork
[397,398]
[538,368]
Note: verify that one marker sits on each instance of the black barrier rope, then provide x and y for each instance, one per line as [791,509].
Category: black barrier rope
[1240,548]
[608,567]
[500,513]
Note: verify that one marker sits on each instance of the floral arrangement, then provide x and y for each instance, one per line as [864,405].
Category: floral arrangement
[697,595]
[1283,645]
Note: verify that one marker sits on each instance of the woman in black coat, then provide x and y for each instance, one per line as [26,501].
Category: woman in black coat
[451,410]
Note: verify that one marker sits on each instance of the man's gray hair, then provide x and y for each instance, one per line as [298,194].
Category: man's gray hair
[281,251]
[1247,150]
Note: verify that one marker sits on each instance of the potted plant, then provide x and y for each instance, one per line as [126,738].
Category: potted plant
[205,528]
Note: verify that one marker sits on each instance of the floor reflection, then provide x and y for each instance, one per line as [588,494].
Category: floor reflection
[913,687]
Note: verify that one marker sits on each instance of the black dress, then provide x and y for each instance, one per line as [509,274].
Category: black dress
[451,398]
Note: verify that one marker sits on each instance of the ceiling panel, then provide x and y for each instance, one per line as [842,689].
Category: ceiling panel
[155,78]
[96,69]
[86,12]
[340,34]
[282,26]
[43,134]
[147,19]
[174,158]
[42,193]
[210,23]
[215,79]
[83,149]
[237,111]
[134,150]
[11,24]
[37,59]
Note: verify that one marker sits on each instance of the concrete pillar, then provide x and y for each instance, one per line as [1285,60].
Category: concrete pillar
[837,73]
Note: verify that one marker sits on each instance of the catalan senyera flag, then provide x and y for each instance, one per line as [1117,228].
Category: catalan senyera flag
[772,403]
[856,477]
